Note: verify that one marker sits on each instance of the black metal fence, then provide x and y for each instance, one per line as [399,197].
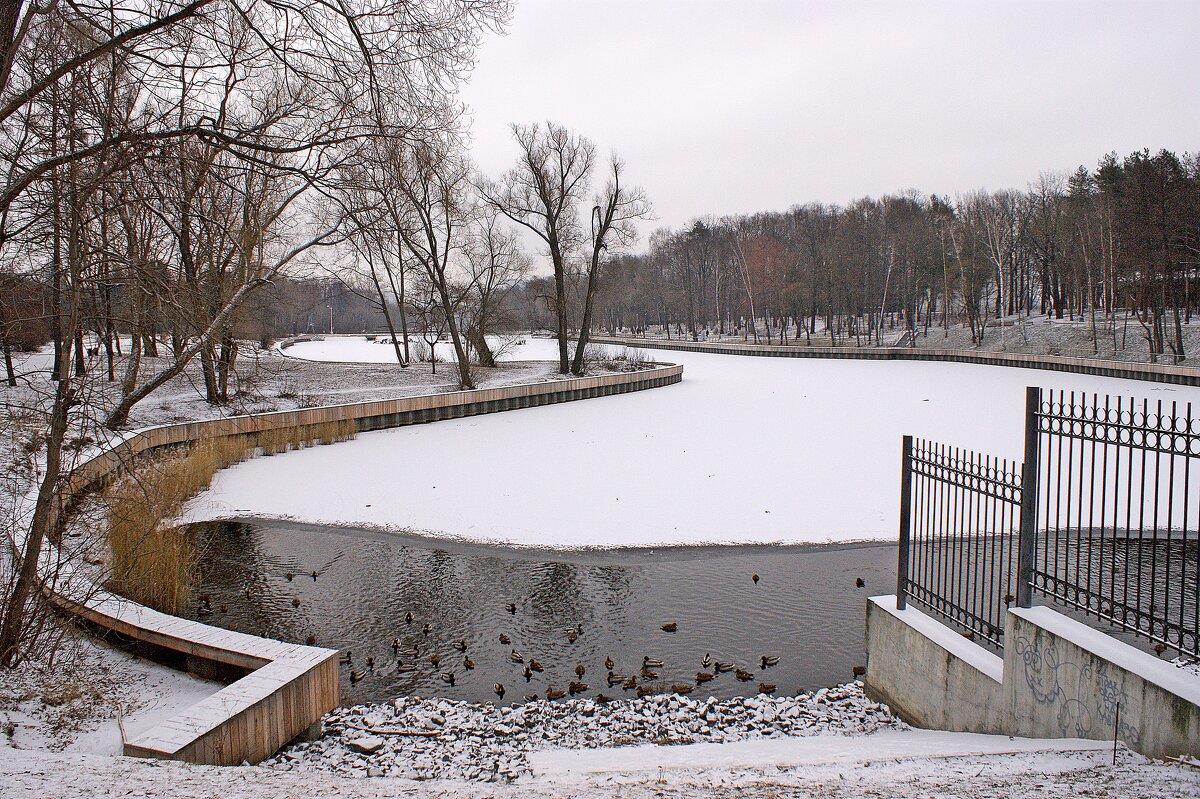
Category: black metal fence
[957,535]
[1103,517]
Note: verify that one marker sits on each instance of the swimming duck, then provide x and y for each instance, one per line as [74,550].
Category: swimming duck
[314,574]
[682,688]
[768,661]
[646,690]
[511,607]
[630,683]
[427,629]
[616,679]
[531,697]
[755,578]
[601,699]
[608,663]
[528,674]
[395,646]
[533,664]
[721,668]
[448,678]
[516,657]
[766,688]
[859,671]
[572,636]
[859,582]
[704,676]
[290,576]
[461,646]
[744,676]
[295,601]
[504,639]
[649,662]
[553,694]
[370,663]
[408,618]
[203,611]
[498,688]
[579,670]
[670,627]
[649,674]
[576,687]
[468,664]
[357,675]
[347,658]
[435,659]
[311,640]
[704,664]
[405,668]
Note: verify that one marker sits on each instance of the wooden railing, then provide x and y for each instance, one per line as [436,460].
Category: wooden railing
[289,687]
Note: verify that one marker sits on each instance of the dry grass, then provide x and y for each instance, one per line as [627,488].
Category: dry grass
[153,561]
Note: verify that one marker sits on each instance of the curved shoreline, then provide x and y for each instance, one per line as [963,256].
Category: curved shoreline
[289,687]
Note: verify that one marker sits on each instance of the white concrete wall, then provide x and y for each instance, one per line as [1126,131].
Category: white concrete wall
[1058,679]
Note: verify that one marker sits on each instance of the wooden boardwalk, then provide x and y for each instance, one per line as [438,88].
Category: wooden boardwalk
[288,687]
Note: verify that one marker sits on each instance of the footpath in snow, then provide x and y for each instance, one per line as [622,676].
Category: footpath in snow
[744,450]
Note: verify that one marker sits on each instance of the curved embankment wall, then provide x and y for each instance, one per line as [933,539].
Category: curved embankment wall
[1159,373]
[288,687]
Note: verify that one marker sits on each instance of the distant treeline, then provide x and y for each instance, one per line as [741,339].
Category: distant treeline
[1124,236]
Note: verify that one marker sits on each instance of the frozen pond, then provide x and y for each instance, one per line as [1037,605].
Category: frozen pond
[806,610]
[744,450]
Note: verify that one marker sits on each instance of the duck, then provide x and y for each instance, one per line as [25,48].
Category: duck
[435,659]
[295,601]
[531,697]
[682,688]
[670,627]
[461,646]
[579,670]
[653,663]
[602,699]
[370,663]
[630,683]
[721,668]
[744,676]
[357,675]
[704,676]
[516,657]
[203,611]
[860,582]
[395,646]
[755,578]
[649,674]
[405,668]
[616,679]
[572,636]
[408,618]
[576,687]
[608,663]
[646,690]
[498,689]
[533,664]
[448,678]
[859,671]
[468,664]
[427,629]
[704,664]
[313,574]
[553,694]
[311,640]
[766,687]
[528,674]
[511,607]
[504,639]
[767,661]
[411,652]
[290,576]
[347,658]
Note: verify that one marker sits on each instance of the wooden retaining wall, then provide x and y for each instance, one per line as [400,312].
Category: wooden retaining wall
[290,686]
[1158,373]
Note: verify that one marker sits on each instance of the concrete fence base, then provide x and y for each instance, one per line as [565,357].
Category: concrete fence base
[1058,679]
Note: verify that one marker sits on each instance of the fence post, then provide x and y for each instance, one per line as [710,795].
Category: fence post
[905,514]
[1029,498]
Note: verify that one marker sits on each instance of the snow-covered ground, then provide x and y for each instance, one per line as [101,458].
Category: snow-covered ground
[887,765]
[743,450]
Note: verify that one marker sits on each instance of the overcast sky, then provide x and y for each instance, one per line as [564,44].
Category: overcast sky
[723,107]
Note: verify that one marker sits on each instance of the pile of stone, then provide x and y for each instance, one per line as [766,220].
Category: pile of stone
[445,739]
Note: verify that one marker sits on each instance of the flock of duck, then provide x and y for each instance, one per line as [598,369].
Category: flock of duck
[645,681]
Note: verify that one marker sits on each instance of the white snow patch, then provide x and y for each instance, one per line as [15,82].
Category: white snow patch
[745,450]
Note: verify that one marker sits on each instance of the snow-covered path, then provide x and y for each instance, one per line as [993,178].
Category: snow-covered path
[894,765]
[745,450]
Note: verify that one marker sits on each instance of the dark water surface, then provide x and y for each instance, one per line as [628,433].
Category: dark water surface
[805,609]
